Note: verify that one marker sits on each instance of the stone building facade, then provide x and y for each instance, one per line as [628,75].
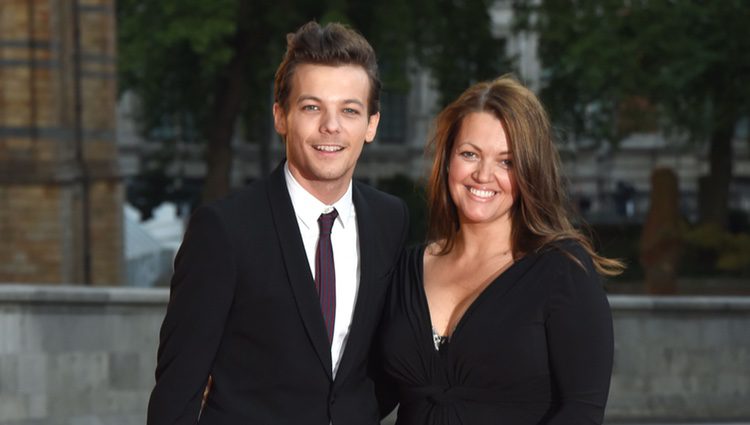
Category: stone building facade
[61,192]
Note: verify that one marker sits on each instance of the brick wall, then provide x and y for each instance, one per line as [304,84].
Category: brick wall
[42,181]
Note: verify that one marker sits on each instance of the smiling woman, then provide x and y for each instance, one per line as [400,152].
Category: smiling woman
[501,316]
[480,179]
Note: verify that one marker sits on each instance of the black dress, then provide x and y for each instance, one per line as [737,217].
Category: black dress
[535,347]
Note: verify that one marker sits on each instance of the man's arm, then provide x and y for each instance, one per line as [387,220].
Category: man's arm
[201,295]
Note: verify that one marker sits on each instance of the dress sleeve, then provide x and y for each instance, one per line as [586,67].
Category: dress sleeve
[580,340]
[201,294]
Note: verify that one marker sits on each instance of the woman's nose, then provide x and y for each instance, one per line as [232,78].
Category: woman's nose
[483,172]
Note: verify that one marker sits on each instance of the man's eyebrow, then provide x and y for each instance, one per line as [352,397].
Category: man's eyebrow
[355,101]
[306,97]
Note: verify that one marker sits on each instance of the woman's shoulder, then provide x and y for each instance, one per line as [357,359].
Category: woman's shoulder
[568,249]
[410,262]
[568,258]
[406,279]
[413,253]
[571,279]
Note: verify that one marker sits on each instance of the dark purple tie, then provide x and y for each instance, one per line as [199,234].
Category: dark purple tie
[325,275]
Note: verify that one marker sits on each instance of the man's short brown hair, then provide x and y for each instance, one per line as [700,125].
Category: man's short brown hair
[334,45]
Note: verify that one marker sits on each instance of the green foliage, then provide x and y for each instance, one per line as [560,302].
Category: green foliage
[694,54]
[457,45]
[174,53]
[586,50]
[727,252]
[708,251]
[170,52]
[688,58]
[388,26]
[615,67]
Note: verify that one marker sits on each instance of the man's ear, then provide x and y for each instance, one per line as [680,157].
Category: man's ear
[372,127]
[279,119]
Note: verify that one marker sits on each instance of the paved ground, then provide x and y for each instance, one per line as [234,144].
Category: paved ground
[390,420]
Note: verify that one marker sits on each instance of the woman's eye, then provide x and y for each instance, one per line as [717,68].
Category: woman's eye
[506,163]
[468,155]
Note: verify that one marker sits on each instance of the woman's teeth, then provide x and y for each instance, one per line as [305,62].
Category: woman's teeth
[482,193]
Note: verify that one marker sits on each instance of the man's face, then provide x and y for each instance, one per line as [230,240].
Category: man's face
[326,124]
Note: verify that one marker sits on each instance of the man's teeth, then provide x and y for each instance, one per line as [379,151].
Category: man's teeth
[482,193]
[326,148]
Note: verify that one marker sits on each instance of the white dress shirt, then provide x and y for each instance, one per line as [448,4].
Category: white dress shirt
[345,242]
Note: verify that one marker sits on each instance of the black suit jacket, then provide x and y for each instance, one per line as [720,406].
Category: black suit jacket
[243,308]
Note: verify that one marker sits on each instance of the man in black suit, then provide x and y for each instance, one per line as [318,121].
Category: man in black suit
[278,289]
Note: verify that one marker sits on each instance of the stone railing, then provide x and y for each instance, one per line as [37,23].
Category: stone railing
[87,355]
[680,358]
[77,355]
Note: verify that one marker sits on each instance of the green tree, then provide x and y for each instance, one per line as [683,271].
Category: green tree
[618,66]
[457,44]
[201,66]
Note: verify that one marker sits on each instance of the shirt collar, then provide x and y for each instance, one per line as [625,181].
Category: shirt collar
[308,208]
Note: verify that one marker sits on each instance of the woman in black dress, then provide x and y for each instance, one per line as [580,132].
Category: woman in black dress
[501,317]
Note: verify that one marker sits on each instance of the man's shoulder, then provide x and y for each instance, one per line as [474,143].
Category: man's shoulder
[241,203]
[377,197]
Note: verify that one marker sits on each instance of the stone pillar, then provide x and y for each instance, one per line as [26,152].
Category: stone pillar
[61,193]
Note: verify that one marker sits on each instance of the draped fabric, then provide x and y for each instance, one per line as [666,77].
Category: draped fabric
[535,347]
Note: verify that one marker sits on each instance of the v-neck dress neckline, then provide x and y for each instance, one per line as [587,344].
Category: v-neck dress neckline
[504,275]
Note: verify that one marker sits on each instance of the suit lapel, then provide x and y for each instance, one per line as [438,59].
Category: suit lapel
[297,268]
[366,226]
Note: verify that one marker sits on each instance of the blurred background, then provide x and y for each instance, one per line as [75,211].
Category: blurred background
[118,118]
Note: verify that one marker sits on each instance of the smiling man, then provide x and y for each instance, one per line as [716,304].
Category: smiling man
[278,289]
[325,122]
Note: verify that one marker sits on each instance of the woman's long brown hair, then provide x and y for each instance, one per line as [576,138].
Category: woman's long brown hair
[539,215]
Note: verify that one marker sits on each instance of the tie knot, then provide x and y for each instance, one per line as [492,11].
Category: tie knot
[325,222]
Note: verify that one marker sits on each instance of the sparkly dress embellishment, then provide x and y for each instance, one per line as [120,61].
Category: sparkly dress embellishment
[438,340]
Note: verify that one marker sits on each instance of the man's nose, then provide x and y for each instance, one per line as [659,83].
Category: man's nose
[330,122]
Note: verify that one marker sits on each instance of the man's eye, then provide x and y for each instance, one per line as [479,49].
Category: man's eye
[310,108]
[351,111]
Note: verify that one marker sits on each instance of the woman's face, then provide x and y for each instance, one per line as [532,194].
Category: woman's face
[480,171]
